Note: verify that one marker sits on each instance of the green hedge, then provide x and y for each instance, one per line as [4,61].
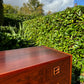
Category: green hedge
[16,19]
[1,12]
[7,29]
[10,39]
[63,31]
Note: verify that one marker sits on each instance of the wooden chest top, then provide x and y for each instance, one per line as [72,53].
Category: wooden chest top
[19,59]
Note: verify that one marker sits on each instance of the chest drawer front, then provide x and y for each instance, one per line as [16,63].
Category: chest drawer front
[43,74]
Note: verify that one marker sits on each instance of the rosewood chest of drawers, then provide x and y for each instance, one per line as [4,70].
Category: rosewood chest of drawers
[35,65]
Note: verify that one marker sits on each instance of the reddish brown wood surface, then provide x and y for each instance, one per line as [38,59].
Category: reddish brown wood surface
[34,66]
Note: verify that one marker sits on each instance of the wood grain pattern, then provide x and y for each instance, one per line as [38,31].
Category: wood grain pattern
[34,65]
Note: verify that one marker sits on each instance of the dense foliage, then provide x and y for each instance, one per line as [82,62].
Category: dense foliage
[11,39]
[1,12]
[63,31]
[16,19]
[7,8]
[13,15]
